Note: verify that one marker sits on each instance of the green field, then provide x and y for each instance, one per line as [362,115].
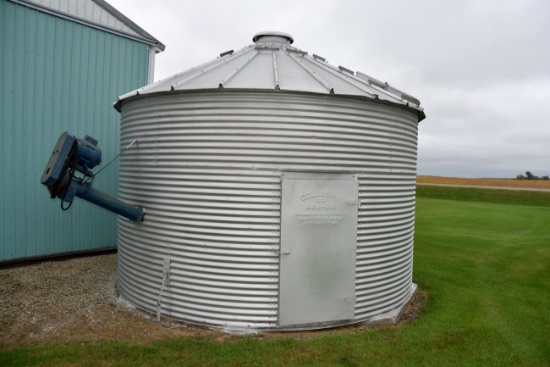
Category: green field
[483,258]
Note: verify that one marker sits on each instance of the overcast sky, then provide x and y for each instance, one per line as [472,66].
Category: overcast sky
[481,68]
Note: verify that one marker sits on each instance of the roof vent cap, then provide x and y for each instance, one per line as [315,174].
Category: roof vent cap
[273,37]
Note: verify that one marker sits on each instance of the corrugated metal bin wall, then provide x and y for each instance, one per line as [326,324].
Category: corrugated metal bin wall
[209,167]
[57,75]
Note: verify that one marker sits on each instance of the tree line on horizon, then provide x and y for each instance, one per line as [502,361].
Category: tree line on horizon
[529,176]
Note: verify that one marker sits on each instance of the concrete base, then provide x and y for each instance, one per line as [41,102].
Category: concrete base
[393,316]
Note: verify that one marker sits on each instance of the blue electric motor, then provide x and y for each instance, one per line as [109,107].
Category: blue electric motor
[72,156]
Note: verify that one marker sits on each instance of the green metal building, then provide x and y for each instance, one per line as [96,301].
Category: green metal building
[62,65]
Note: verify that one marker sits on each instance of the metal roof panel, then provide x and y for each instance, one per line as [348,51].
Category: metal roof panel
[271,63]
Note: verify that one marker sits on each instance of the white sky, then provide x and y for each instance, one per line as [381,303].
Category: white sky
[481,68]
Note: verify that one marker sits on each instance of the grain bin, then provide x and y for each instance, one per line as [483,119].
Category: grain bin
[279,192]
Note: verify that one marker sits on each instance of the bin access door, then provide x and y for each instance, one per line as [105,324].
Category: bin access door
[318,248]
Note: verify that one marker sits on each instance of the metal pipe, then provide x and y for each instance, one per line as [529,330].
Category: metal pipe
[87,192]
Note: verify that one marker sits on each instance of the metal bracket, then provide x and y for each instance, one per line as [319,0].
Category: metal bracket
[165,281]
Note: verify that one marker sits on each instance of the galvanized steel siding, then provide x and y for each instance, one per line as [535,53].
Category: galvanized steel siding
[384,243]
[57,75]
[207,168]
[219,229]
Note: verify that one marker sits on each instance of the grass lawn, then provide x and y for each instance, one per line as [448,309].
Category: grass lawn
[482,256]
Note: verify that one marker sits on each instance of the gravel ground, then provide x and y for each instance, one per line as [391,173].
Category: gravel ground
[73,300]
